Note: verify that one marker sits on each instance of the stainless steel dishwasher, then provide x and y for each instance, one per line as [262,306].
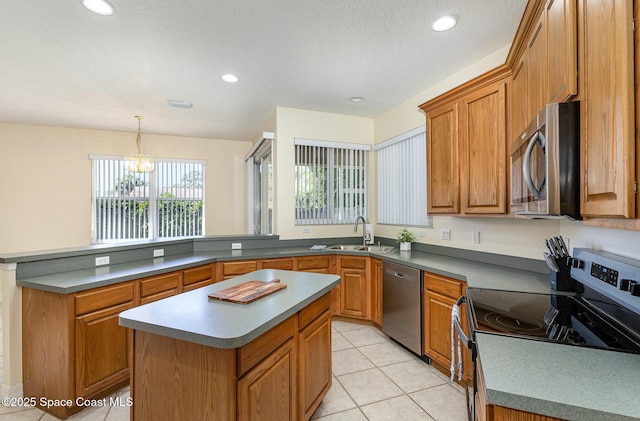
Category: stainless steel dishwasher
[401,305]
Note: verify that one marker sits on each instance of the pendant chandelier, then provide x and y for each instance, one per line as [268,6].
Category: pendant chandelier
[138,162]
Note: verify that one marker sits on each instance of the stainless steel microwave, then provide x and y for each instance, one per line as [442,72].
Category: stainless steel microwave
[545,164]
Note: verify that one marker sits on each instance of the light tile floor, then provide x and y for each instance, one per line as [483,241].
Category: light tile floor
[373,379]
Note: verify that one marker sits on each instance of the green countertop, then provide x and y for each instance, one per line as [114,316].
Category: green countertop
[191,316]
[476,274]
[563,381]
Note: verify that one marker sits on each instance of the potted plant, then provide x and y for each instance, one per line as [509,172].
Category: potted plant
[405,238]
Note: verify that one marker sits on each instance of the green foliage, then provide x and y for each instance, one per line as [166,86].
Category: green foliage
[405,236]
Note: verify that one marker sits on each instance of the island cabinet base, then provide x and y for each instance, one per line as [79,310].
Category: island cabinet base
[283,374]
[174,379]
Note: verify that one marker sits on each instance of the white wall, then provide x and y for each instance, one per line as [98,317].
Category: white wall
[292,123]
[46,181]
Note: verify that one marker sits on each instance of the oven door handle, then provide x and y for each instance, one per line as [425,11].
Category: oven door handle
[455,319]
[526,165]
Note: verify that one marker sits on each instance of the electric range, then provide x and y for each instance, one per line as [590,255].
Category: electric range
[603,312]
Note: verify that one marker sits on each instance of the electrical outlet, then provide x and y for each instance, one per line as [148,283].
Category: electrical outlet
[306,230]
[236,246]
[100,261]
[422,233]
[446,234]
[158,253]
[475,236]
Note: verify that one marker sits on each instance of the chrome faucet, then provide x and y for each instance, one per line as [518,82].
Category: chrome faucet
[364,229]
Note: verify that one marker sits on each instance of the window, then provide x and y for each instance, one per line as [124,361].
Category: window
[402,176]
[165,203]
[260,185]
[330,182]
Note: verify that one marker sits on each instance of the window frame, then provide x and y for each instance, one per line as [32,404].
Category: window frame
[259,220]
[337,158]
[153,198]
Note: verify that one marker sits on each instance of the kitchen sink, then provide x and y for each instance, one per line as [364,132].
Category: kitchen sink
[351,247]
[376,249]
[346,247]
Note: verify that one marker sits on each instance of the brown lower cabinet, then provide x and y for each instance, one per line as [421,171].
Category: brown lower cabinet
[440,294]
[355,291]
[281,375]
[73,345]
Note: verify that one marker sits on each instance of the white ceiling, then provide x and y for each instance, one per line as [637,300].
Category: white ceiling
[65,66]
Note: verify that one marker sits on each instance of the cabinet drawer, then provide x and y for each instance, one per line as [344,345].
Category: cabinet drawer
[255,351]
[197,285]
[239,268]
[316,262]
[282,264]
[313,310]
[159,296]
[158,284]
[201,273]
[353,262]
[87,302]
[448,287]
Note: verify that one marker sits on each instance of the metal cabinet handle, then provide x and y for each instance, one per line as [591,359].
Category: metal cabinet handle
[526,165]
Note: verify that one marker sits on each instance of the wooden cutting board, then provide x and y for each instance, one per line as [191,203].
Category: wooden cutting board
[247,292]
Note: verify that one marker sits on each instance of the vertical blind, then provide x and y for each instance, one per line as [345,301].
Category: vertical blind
[167,202]
[402,175]
[330,182]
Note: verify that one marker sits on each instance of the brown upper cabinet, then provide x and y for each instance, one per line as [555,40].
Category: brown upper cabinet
[466,147]
[543,59]
[584,50]
[607,137]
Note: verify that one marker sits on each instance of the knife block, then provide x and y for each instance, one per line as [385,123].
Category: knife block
[562,280]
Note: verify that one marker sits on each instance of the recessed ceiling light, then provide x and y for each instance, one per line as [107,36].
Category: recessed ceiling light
[444,23]
[180,104]
[230,78]
[101,7]
[356,99]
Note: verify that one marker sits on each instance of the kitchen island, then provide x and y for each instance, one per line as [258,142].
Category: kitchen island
[198,358]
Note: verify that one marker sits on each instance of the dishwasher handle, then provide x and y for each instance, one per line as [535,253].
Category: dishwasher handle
[455,319]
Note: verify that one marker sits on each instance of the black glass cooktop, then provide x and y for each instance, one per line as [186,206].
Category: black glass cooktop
[585,319]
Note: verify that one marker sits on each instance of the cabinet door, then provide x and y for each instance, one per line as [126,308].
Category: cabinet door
[483,150]
[376,292]
[439,293]
[607,138]
[268,391]
[353,297]
[443,189]
[437,325]
[315,364]
[562,54]
[102,351]
[519,99]
[537,68]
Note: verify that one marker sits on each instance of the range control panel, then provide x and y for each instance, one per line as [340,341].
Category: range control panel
[616,277]
[605,274]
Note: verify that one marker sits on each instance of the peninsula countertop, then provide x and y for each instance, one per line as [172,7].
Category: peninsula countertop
[193,317]
[476,274]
